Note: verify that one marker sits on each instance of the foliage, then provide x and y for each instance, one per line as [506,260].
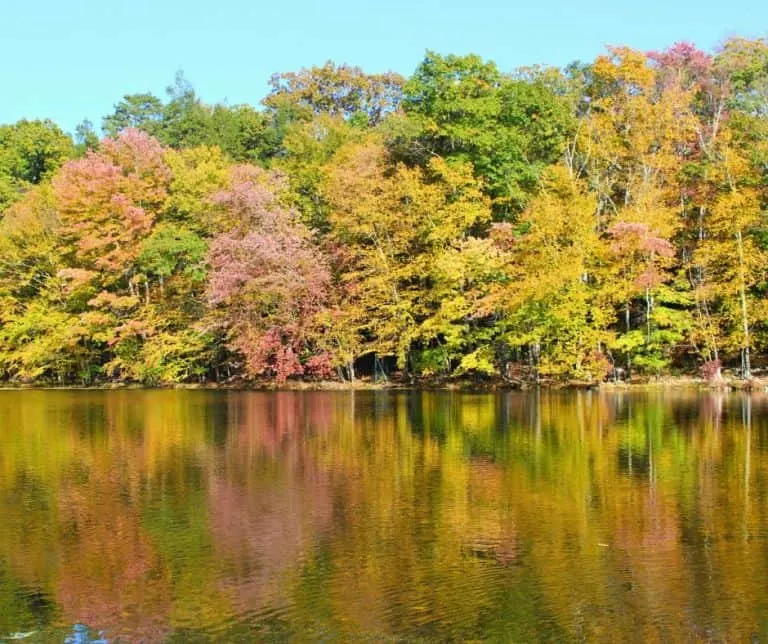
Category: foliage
[606,219]
[242,132]
[30,152]
[268,276]
[336,90]
[390,227]
[462,107]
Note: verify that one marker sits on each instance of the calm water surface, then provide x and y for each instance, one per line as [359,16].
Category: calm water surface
[231,516]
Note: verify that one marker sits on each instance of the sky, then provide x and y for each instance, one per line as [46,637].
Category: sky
[73,60]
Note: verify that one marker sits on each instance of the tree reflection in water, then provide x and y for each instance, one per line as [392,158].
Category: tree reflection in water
[176,515]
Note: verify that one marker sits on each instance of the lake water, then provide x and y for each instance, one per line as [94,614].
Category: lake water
[373,516]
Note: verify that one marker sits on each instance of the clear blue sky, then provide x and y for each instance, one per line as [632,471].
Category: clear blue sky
[73,60]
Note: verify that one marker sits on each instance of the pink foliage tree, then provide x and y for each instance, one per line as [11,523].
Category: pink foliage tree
[688,68]
[637,244]
[267,277]
[683,65]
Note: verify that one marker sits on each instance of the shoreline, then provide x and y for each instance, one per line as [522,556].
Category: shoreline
[461,386]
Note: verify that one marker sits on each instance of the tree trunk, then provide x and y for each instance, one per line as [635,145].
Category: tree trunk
[628,324]
[648,316]
[747,371]
[378,365]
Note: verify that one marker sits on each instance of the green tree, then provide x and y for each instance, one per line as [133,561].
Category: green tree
[141,111]
[30,152]
[464,108]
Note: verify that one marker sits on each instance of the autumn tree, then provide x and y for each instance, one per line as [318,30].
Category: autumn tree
[308,148]
[268,281]
[640,262]
[639,130]
[109,200]
[390,227]
[551,312]
[38,339]
[336,90]
[733,255]
[465,222]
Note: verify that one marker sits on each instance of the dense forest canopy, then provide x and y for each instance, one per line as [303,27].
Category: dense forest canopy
[551,224]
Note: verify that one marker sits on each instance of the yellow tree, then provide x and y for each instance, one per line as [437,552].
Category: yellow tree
[549,300]
[388,227]
[733,259]
[639,129]
[634,133]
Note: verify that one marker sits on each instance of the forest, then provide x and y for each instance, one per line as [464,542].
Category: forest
[607,220]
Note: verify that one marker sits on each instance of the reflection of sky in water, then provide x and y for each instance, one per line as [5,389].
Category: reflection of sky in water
[81,634]
[193,515]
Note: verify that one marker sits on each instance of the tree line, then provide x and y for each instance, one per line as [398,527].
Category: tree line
[601,220]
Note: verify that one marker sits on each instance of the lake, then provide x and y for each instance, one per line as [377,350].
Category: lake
[383,516]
